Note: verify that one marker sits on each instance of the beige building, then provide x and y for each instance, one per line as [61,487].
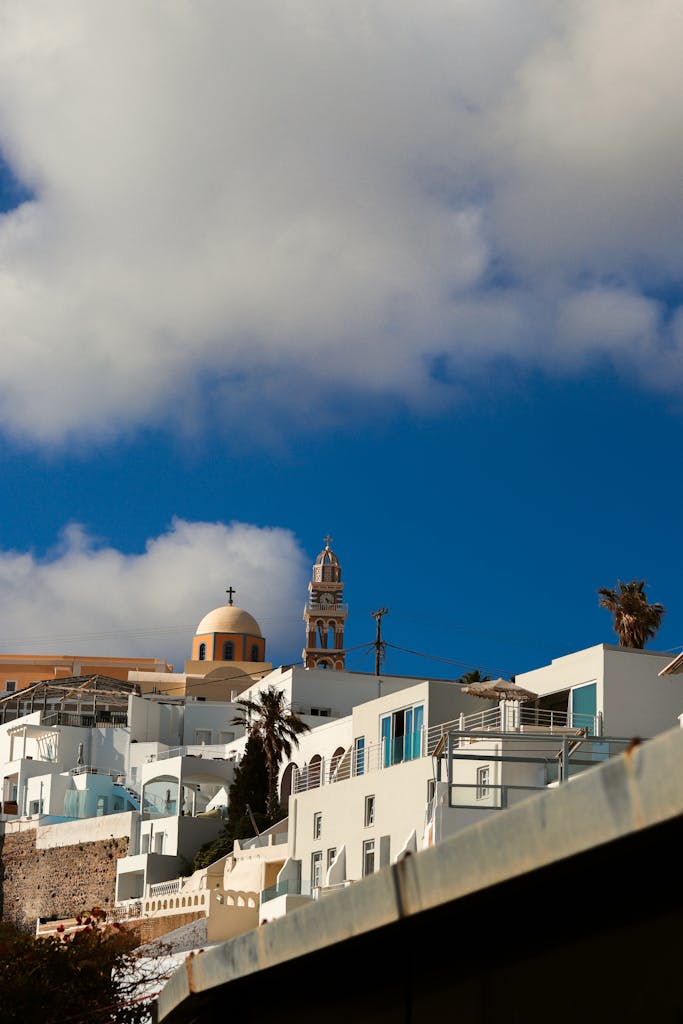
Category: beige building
[228,656]
[17,671]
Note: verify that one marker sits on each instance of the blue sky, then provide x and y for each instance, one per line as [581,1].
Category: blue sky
[418,287]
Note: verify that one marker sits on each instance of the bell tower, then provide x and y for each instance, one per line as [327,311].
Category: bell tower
[325,614]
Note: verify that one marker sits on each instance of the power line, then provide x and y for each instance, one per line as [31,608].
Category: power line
[139,632]
[447,661]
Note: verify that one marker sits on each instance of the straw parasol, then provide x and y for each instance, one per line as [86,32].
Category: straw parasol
[499,689]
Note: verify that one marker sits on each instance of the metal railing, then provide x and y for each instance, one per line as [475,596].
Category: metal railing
[125,911]
[103,717]
[358,761]
[509,718]
[514,718]
[216,751]
[89,769]
[490,796]
[566,757]
[291,887]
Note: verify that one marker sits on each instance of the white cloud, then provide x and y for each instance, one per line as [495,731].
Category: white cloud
[319,193]
[85,598]
[604,320]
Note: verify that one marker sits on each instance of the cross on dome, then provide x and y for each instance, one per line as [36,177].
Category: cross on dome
[230,591]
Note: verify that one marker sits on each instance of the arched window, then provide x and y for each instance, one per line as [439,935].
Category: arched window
[202,652]
[254,652]
[228,651]
[334,763]
[286,784]
[315,766]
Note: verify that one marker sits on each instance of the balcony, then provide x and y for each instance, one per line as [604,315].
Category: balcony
[215,751]
[103,717]
[507,721]
[507,717]
[326,609]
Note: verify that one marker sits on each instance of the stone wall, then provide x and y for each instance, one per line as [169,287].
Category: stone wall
[61,882]
[151,928]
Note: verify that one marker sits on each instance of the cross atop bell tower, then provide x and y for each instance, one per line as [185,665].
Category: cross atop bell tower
[324,613]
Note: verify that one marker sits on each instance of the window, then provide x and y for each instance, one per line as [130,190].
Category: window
[369,818]
[583,706]
[144,843]
[401,734]
[359,755]
[227,737]
[101,806]
[202,736]
[368,857]
[331,854]
[10,685]
[159,842]
[202,652]
[317,825]
[483,781]
[316,868]
[228,651]
[254,652]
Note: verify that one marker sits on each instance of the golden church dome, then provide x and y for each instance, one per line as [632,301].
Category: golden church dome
[228,619]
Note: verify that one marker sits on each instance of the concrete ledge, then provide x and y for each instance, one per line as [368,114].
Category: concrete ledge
[632,792]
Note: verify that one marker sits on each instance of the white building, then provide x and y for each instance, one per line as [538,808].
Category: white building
[622,686]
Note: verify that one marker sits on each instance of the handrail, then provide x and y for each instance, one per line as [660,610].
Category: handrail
[87,720]
[124,911]
[216,751]
[492,795]
[512,718]
[90,769]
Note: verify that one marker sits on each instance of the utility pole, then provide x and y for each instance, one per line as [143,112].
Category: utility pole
[380,646]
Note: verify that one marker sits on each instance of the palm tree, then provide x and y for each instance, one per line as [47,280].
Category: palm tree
[635,620]
[271,719]
[474,676]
